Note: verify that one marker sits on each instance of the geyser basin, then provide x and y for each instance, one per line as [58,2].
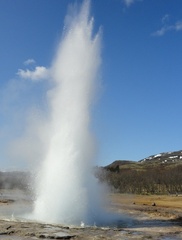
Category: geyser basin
[66,191]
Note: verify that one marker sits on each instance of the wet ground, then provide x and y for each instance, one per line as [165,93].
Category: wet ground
[135,222]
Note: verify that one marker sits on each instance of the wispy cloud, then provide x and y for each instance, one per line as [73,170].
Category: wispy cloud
[167,27]
[128,3]
[29,61]
[39,73]
[165,19]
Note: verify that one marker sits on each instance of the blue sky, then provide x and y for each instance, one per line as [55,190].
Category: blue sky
[138,112]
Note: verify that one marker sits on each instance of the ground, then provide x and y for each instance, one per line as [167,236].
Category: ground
[139,217]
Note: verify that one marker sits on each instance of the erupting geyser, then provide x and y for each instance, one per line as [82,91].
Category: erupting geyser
[66,191]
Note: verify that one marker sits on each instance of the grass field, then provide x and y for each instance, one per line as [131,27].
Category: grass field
[167,201]
[164,207]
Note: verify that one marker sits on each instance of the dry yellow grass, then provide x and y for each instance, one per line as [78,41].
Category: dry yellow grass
[167,201]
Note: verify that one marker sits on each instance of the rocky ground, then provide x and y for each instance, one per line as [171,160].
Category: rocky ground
[140,217]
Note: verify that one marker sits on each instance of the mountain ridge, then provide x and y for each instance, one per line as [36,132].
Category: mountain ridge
[163,158]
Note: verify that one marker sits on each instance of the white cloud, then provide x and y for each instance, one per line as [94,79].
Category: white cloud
[165,19]
[160,32]
[29,61]
[178,26]
[129,2]
[39,73]
[167,28]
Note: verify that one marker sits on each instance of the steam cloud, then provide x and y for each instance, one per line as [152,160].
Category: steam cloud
[67,192]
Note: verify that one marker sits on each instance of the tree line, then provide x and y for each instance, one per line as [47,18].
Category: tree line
[155,180]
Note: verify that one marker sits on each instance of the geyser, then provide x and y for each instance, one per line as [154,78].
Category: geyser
[66,191]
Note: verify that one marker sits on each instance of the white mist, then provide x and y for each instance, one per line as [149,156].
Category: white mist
[67,192]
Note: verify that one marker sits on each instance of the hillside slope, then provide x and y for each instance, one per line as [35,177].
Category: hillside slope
[157,174]
[164,159]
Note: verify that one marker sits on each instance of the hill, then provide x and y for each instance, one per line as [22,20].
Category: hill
[157,174]
[165,159]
